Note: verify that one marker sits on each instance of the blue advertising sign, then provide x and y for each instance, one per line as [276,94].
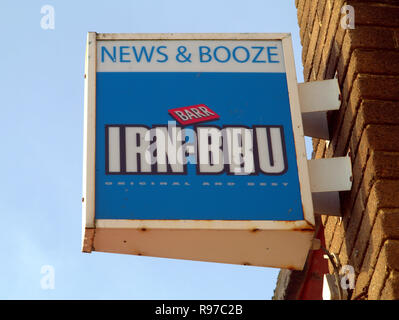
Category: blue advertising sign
[194,130]
[194,149]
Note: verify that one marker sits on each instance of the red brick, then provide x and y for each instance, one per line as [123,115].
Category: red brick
[329,229]
[375,137]
[344,124]
[366,62]
[385,195]
[396,38]
[304,20]
[338,238]
[324,22]
[362,239]
[305,47]
[381,87]
[343,254]
[374,61]
[354,220]
[311,50]
[361,286]
[324,219]
[391,288]
[300,6]
[315,143]
[374,112]
[382,137]
[388,260]
[386,227]
[332,28]
[366,37]
[376,14]
[370,37]
[335,54]
[309,29]
[312,14]
[379,165]
[321,4]
[319,152]
[370,61]
[369,86]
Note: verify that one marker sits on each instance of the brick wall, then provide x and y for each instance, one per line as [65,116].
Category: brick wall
[366,62]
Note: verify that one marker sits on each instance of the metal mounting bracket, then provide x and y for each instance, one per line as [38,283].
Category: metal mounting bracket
[328,176]
[316,98]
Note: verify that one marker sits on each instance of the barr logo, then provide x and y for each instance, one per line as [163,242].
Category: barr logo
[193,114]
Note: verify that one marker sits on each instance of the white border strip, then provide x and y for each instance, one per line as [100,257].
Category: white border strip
[202,224]
[89,140]
[191,36]
[299,137]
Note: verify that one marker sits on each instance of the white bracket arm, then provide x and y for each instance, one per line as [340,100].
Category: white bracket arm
[328,176]
[316,98]
[326,203]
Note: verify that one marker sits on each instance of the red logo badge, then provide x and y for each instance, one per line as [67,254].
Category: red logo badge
[193,114]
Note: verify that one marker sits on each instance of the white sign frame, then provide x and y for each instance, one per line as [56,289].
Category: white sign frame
[287,242]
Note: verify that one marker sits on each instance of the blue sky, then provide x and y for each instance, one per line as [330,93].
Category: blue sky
[41,105]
